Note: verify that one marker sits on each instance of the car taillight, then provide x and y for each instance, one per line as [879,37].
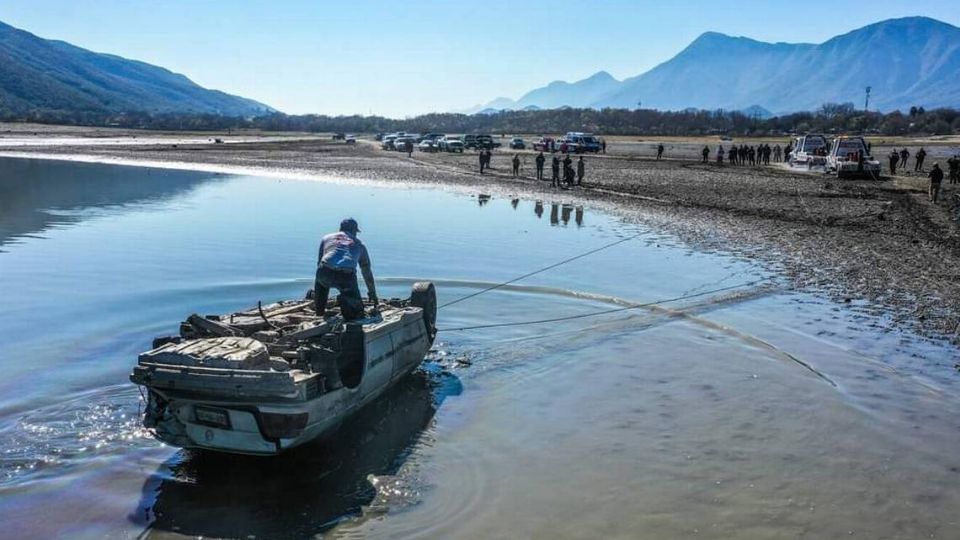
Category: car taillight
[282,426]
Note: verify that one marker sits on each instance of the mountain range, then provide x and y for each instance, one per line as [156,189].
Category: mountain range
[44,75]
[908,61]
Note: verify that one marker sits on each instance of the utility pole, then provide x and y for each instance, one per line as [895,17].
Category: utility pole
[866,103]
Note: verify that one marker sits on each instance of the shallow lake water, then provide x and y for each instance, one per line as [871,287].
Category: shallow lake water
[755,412]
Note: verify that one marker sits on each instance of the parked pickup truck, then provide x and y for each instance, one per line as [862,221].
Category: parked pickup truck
[451,143]
[486,142]
[580,142]
[849,158]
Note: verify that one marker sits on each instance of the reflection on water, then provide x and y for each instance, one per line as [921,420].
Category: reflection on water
[655,424]
[36,195]
[306,491]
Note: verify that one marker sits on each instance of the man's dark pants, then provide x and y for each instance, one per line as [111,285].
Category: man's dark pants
[351,305]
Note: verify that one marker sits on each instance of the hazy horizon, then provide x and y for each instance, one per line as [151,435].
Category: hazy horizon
[402,60]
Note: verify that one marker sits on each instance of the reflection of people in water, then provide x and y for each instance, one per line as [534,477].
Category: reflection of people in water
[483,199]
[565,213]
[514,203]
[579,216]
[554,218]
[308,490]
[538,209]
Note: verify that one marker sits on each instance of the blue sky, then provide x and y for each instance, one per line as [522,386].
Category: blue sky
[401,58]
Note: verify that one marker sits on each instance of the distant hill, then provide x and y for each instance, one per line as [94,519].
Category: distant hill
[909,61]
[41,75]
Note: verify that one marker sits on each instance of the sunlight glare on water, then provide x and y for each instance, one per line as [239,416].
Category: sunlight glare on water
[755,413]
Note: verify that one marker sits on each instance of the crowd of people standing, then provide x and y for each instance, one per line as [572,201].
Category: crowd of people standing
[745,155]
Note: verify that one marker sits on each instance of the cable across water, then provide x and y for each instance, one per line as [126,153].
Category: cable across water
[605,311]
[544,269]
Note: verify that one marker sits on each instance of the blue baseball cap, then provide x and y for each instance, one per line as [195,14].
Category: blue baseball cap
[349,225]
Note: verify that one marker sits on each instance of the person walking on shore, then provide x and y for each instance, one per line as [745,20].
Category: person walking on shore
[953,165]
[581,170]
[921,155]
[516,165]
[894,158]
[603,145]
[567,170]
[705,153]
[540,161]
[777,153]
[720,155]
[659,151]
[555,168]
[483,161]
[904,156]
[408,146]
[936,178]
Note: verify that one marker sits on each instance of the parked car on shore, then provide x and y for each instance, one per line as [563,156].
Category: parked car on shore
[544,144]
[427,145]
[808,151]
[400,143]
[582,142]
[388,141]
[517,143]
[451,143]
[486,142]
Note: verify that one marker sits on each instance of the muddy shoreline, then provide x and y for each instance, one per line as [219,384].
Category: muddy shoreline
[879,244]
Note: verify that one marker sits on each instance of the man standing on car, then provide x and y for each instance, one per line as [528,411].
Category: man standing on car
[340,254]
[540,161]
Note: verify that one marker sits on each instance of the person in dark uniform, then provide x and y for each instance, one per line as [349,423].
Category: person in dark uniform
[777,153]
[953,165]
[483,161]
[904,156]
[921,155]
[720,155]
[555,167]
[936,179]
[567,170]
[659,151]
[340,254]
[408,146]
[516,165]
[894,158]
[603,145]
[705,153]
[540,161]
[581,171]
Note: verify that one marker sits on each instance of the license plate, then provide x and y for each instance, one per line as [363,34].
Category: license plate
[211,416]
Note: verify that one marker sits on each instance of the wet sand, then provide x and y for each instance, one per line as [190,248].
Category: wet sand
[878,241]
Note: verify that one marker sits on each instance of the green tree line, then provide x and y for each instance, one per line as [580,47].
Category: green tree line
[830,118]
